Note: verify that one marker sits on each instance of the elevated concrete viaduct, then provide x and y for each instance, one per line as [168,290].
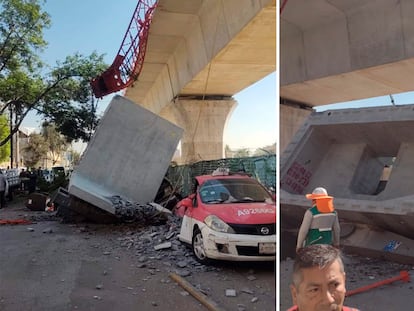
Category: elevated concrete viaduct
[199,54]
[339,50]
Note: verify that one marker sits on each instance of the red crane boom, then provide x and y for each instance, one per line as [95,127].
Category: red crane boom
[129,60]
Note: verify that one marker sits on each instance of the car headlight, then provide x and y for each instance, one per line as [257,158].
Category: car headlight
[216,224]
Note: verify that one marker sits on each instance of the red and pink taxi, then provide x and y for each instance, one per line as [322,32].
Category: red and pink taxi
[229,217]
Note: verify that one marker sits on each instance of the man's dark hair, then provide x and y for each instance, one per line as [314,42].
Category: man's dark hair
[317,255]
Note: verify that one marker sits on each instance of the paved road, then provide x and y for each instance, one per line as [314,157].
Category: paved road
[47,265]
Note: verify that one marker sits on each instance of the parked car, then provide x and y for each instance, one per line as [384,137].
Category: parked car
[58,170]
[47,175]
[229,217]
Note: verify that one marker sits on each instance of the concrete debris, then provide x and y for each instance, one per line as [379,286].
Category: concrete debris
[178,255]
[241,307]
[162,246]
[184,293]
[254,299]
[170,235]
[99,286]
[247,291]
[151,213]
[183,272]
[231,293]
[48,230]
[182,264]
[251,278]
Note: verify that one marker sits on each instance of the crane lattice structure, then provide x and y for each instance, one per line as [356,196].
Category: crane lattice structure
[129,60]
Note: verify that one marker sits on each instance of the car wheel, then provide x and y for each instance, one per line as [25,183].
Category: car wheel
[198,247]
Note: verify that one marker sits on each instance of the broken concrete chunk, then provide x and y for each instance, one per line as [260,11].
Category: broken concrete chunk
[170,235]
[183,272]
[251,278]
[241,307]
[162,246]
[134,135]
[231,293]
[254,299]
[247,291]
[182,264]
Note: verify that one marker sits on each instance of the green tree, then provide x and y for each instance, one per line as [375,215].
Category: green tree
[36,150]
[265,150]
[61,94]
[74,157]
[70,104]
[242,153]
[21,34]
[56,142]
[4,132]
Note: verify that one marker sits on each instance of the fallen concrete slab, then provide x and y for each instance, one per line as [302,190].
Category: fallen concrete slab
[363,157]
[128,156]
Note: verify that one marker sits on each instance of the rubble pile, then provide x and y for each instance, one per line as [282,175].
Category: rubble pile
[161,243]
[368,269]
[150,213]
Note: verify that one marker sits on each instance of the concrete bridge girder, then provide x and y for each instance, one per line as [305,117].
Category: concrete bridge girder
[209,47]
[204,48]
[204,122]
[349,151]
[336,51]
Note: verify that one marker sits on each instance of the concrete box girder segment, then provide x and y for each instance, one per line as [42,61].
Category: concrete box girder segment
[348,152]
[209,47]
[205,48]
[128,156]
[336,51]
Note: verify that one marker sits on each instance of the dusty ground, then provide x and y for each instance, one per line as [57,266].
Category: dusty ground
[48,265]
[361,271]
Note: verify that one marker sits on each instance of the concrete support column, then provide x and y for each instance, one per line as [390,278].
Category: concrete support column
[203,122]
[292,116]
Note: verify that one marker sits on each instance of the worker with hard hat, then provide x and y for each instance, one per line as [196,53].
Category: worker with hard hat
[320,224]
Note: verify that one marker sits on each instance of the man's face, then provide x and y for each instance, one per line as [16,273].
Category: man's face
[320,289]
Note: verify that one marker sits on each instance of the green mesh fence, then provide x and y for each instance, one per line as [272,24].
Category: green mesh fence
[263,168]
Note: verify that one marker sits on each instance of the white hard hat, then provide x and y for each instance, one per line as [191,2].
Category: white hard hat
[320,191]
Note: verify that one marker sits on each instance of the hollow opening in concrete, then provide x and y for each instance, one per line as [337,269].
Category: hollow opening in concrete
[386,172]
[372,173]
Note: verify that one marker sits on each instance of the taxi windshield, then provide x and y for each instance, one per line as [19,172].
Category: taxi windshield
[235,190]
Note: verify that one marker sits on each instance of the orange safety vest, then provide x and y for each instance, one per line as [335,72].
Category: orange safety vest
[295,308]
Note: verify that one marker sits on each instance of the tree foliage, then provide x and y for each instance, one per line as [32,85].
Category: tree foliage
[75,157]
[70,104]
[21,34]
[62,95]
[4,132]
[36,150]
[56,143]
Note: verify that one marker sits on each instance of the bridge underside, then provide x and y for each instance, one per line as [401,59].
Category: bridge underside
[338,50]
[200,52]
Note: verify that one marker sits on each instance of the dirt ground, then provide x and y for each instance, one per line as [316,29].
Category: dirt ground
[49,265]
[360,272]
